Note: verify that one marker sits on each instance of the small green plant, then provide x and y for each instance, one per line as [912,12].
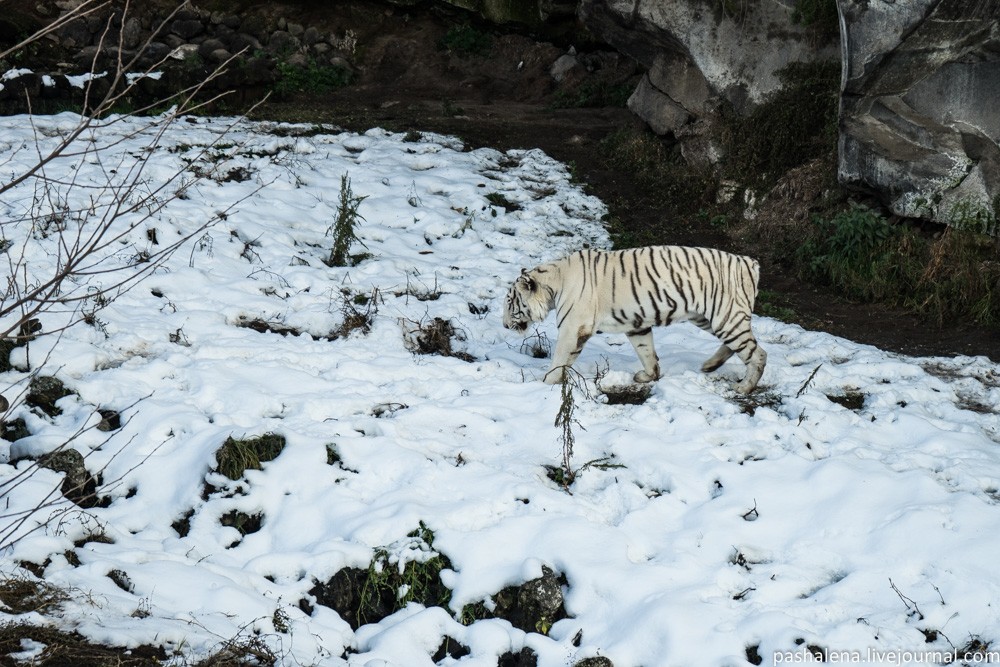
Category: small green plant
[449,108]
[391,582]
[499,200]
[236,456]
[565,422]
[466,40]
[975,217]
[770,304]
[853,250]
[343,228]
[599,93]
[311,78]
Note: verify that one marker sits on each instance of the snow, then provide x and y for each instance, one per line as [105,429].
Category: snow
[788,521]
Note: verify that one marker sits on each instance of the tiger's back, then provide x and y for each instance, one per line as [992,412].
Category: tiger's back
[636,288]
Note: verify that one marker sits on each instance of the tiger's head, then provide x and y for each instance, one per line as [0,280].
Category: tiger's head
[527,301]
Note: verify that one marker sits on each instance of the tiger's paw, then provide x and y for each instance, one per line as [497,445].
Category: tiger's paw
[646,376]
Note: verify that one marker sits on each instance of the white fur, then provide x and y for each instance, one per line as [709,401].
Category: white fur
[630,291]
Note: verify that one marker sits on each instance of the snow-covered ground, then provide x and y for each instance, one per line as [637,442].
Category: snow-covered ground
[867,529]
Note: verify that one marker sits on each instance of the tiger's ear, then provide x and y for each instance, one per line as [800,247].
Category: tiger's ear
[527,281]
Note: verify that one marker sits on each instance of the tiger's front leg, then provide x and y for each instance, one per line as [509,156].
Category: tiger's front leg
[568,347]
[642,341]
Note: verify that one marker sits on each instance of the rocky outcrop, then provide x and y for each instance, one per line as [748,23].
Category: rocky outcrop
[698,52]
[920,125]
[919,128]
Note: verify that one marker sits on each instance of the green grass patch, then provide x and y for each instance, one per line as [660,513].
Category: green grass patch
[466,40]
[236,456]
[770,304]
[954,275]
[417,580]
[311,78]
[594,94]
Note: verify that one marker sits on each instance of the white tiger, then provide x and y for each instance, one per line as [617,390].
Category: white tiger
[630,291]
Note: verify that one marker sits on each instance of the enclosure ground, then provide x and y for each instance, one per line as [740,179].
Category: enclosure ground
[574,136]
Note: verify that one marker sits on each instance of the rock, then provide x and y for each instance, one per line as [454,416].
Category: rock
[695,53]
[311,36]
[43,393]
[186,29]
[218,56]
[18,87]
[206,48]
[598,661]
[282,41]
[523,658]
[563,66]
[534,605]
[919,125]
[661,113]
[154,53]
[78,485]
[184,51]
[132,33]
[74,34]
[244,42]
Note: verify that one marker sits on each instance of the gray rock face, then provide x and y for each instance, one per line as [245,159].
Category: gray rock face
[920,121]
[696,51]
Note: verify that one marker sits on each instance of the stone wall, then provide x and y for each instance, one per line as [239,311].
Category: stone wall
[920,124]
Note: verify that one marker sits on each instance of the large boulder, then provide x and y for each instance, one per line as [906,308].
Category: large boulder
[920,125]
[697,53]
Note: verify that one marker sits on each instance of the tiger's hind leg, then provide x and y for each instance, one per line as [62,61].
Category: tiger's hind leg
[721,355]
[755,361]
[717,359]
[737,336]
[642,341]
